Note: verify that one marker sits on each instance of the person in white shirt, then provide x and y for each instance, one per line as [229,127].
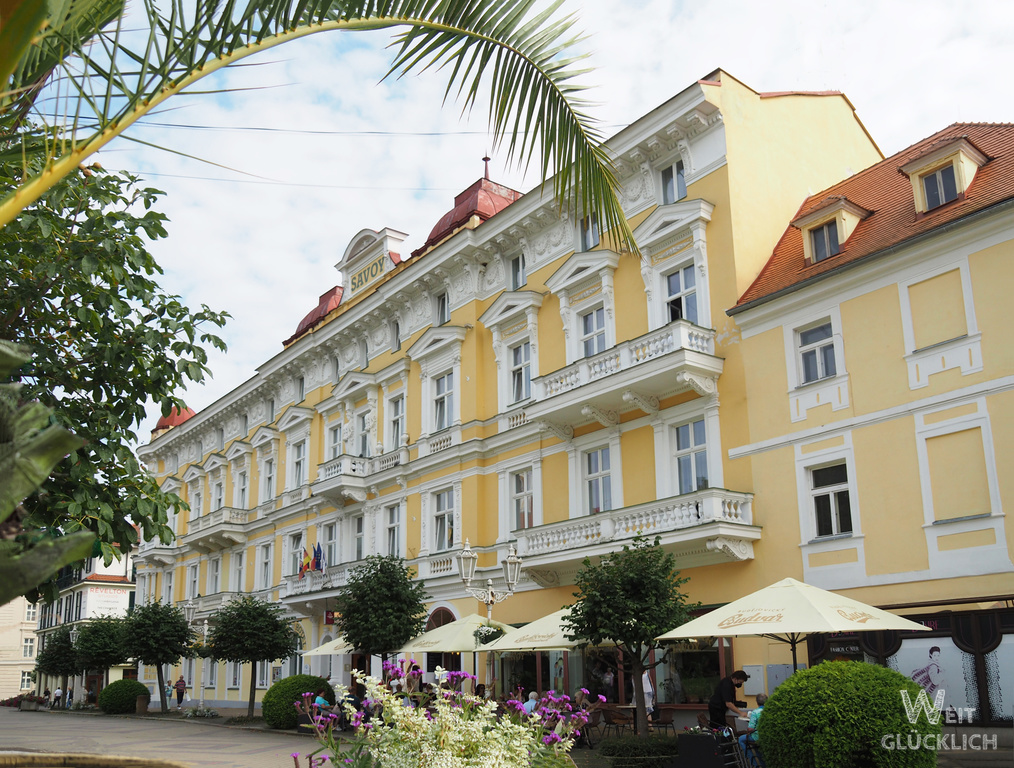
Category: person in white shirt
[533,701]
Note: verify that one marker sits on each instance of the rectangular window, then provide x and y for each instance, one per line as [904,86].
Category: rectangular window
[295,542]
[219,439]
[816,353]
[394,530]
[397,407]
[589,232]
[263,670]
[518,274]
[31,612]
[824,240]
[443,308]
[940,187]
[235,672]
[443,521]
[219,498]
[28,648]
[198,506]
[681,294]
[298,464]
[598,481]
[358,537]
[691,457]
[674,184]
[300,389]
[214,575]
[522,501]
[269,479]
[364,433]
[238,581]
[188,672]
[192,586]
[831,506]
[593,332]
[167,587]
[334,440]
[364,354]
[331,543]
[244,425]
[26,680]
[395,336]
[264,567]
[443,402]
[212,667]
[271,409]
[521,372]
[241,490]
[77,606]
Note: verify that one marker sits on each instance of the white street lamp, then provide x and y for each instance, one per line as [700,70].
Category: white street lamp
[190,611]
[467,560]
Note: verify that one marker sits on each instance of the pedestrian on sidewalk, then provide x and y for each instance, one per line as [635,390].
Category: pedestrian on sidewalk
[57,697]
[181,689]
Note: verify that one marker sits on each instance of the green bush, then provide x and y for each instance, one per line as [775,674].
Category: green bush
[120,697]
[277,705]
[843,714]
[635,752]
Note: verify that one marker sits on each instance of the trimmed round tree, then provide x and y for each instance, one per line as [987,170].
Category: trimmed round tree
[120,696]
[277,705]
[156,634]
[249,630]
[846,714]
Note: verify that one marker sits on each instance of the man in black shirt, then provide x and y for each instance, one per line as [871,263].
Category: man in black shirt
[724,699]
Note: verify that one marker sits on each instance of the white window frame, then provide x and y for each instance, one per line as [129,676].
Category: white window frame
[588,234]
[263,673]
[197,506]
[28,648]
[218,497]
[193,581]
[673,174]
[394,531]
[513,320]
[438,351]
[443,512]
[596,336]
[441,308]
[335,445]
[444,398]
[265,567]
[357,537]
[167,586]
[522,498]
[242,490]
[583,283]
[594,479]
[234,671]
[828,451]
[520,361]
[237,563]
[576,461]
[26,680]
[211,667]
[833,390]
[188,671]
[268,483]
[936,177]
[330,541]
[364,445]
[395,409]
[31,612]
[300,462]
[518,272]
[831,492]
[683,270]
[817,351]
[214,575]
[293,552]
[691,451]
[300,389]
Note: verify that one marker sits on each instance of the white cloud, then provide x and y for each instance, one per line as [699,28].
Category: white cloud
[265,252]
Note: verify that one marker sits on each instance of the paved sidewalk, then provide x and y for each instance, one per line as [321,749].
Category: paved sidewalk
[202,745]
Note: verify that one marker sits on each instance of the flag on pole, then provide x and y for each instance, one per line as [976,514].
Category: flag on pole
[305,565]
[318,557]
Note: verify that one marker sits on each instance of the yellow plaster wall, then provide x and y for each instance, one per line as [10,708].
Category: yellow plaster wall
[552,352]
[637,448]
[555,488]
[992,274]
[1000,407]
[631,304]
[889,497]
[763,362]
[874,352]
[413,527]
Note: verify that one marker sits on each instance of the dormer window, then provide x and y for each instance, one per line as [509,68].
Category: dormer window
[828,227]
[943,173]
[824,240]
[674,184]
[939,187]
[589,232]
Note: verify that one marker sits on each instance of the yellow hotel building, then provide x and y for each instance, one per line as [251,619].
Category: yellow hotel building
[514,381]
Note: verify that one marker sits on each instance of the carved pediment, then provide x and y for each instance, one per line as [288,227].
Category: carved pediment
[510,305]
[238,449]
[436,340]
[666,220]
[264,436]
[295,416]
[171,485]
[215,461]
[582,268]
[354,385]
[193,473]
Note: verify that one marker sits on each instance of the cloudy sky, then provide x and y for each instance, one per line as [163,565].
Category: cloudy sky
[309,146]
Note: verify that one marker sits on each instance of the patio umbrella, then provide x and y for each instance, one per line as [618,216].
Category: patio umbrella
[545,634]
[338,645]
[456,637]
[788,611]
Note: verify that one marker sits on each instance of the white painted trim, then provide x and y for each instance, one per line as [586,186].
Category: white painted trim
[834,389]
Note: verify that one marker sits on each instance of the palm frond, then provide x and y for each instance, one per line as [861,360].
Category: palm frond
[109,79]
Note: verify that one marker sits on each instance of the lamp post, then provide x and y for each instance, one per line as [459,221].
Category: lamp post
[467,560]
[74,634]
[190,610]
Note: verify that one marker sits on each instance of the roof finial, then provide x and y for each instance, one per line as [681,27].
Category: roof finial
[486,161]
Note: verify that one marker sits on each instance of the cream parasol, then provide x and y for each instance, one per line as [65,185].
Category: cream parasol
[338,645]
[546,634]
[456,637]
[788,611]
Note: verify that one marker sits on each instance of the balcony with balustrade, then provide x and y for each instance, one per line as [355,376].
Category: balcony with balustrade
[708,527]
[638,372]
[157,553]
[344,477]
[219,529]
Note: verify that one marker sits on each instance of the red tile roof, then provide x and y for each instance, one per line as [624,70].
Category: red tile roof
[174,419]
[887,192]
[484,199]
[327,303]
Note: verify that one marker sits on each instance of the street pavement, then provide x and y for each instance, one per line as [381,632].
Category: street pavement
[189,742]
